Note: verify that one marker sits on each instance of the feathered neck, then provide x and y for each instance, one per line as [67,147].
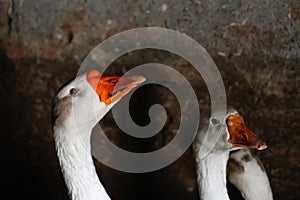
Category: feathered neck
[74,154]
[211,178]
[247,174]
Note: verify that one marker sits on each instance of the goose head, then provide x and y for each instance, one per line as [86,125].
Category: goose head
[86,99]
[236,134]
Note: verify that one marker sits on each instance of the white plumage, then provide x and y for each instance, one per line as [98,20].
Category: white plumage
[78,107]
[247,174]
[211,168]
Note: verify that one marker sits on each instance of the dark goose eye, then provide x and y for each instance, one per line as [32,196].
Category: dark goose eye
[214,121]
[74,91]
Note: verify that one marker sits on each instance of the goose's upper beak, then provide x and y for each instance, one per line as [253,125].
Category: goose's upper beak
[241,136]
[112,88]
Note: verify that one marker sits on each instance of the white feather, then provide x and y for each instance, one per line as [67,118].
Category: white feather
[72,141]
[211,169]
[248,175]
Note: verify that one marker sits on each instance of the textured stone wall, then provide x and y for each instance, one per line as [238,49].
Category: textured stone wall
[255,44]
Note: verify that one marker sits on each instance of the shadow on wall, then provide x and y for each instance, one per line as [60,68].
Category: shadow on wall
[24,174]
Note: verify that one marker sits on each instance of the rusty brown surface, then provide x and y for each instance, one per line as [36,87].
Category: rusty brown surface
[15,50]
[295,10]
[244,33]
[4,10]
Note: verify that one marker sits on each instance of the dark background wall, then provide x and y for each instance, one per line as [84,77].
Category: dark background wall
[255,44]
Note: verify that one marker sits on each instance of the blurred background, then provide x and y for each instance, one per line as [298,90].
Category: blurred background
[255,44]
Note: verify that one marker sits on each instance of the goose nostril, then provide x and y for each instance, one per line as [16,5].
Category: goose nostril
[242,133]
[262,146]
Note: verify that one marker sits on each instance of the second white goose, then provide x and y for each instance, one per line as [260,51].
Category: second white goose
[211,169]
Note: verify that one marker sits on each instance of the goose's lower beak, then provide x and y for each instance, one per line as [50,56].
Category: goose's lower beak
[241,136]
[112,88]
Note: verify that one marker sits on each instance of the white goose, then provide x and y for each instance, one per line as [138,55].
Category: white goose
[211,169]
[248,175]
[77,108]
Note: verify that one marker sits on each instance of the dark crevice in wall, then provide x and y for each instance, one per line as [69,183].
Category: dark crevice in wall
[10,18]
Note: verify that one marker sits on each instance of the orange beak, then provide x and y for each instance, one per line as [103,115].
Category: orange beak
[241,136]
[107,88]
